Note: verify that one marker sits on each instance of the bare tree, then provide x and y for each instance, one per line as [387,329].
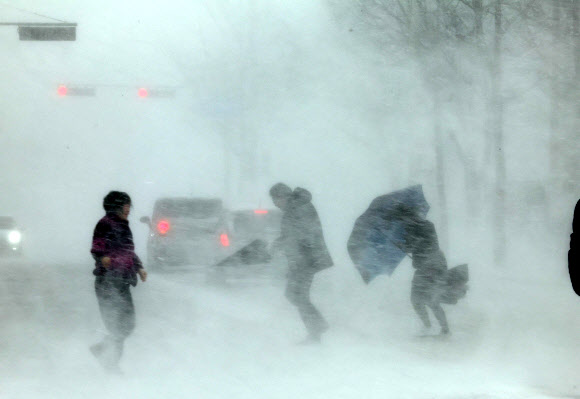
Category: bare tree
[429,31]
[575,11]
[500,38]
[554,38]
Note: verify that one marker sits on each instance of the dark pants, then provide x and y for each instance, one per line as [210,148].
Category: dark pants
[298,293]
[424,293]
[118,314]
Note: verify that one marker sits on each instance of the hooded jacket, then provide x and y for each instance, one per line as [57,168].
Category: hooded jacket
[574,252]
[112,237]
[301,234]
[422,243]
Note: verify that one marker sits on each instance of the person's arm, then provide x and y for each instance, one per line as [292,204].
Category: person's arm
[100,249]
[138,265]
[278,244]
[312,239]
[427,241]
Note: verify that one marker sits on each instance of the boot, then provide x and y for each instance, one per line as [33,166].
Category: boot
[311,339]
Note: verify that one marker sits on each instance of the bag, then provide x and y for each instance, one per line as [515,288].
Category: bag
[455,285]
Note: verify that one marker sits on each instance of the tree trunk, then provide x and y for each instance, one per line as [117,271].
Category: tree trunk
[576,33]
[500,168]
[555,133]
[472,205]
[440,168]
[478,11]
[576,85]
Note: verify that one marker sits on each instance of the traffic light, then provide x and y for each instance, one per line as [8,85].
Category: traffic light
[84,91]
[90,90]
[47,32]
[165,92]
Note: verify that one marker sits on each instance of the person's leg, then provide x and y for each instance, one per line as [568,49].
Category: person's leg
[435,292]
[421,310]
[440,316]
[311,316]
[418,301]
[298,293]
[292,287]
[123,323]
[105,298]
[118,314]
[126,312]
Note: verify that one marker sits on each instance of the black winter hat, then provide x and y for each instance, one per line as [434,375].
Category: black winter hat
[280,190]
[115,200]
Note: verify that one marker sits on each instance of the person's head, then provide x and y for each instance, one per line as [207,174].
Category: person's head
[280,193]
[119,203]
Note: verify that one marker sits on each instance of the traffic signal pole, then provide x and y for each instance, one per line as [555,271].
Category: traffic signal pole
[56,30]
[49,31]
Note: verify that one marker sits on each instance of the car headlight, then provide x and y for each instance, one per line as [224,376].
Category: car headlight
[14,237]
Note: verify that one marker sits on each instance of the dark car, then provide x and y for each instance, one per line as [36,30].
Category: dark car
[10,236]
[256,224]
[253,231]
[187,231]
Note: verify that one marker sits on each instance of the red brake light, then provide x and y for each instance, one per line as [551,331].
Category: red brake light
[260,211]
[163,227]
[225,240]
[142,92]
[62,90]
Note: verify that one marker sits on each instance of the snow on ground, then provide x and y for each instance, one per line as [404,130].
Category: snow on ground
[237,340]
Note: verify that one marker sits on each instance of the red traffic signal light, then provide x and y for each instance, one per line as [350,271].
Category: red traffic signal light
[64,90]
[90,90]
[156,92]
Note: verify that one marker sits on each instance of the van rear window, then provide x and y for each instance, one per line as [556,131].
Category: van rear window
[252,223]
[197,208]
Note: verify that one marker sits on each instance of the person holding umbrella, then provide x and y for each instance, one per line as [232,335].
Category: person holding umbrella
[429,263]
[395,226]
[302,242]
[116,269]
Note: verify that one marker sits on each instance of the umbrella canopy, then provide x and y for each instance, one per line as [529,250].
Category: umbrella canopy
[254,253]
[378,234]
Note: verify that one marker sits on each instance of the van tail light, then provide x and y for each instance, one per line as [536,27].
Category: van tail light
[224,240]
[163,227]
[261,211]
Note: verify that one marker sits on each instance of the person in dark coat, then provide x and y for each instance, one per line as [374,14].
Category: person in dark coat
[574,252]
[302,241]
[116,269]
[429,264]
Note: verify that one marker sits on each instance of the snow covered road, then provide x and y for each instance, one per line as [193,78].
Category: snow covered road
[195,340]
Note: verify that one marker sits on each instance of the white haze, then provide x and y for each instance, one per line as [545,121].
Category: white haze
[280,83]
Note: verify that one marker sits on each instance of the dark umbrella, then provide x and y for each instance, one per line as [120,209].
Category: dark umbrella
[255,252]
[379,234]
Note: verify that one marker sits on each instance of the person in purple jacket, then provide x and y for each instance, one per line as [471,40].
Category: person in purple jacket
[116,269]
